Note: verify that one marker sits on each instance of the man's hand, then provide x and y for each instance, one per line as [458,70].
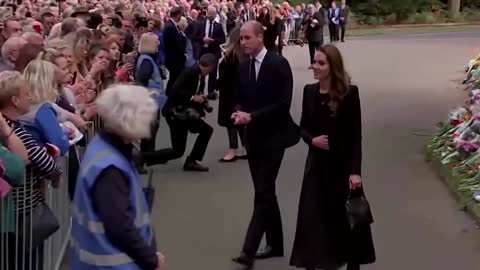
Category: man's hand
[321,142]
[241,118]
[199,99]
[207,40]
[315,21]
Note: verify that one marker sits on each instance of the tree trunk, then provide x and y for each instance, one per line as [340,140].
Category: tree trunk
[453,6]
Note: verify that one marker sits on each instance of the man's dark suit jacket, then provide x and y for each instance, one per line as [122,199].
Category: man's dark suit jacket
[232,16]
[344,13]
[268,101]
[174,46]
[190,28]
[218,36]
[251,16]
[183,89]
[314,33]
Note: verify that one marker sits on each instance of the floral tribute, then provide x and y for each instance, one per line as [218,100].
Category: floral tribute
[456,144]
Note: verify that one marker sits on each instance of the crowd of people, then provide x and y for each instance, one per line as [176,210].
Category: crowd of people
[125,66]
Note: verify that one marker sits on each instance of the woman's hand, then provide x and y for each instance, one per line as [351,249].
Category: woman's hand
[5,129]
[98,67]
[76,120]
[355,181]
[90,111]
[90,96]
[53,150]
[321,142]
[79,87]
[161,261]
[128,68]
[57,182]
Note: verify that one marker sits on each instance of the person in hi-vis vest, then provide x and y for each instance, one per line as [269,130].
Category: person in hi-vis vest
[111,227]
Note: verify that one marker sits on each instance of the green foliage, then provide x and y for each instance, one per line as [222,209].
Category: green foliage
[471,14]
[396,11]
[422,17]
[372,20]
[470,4]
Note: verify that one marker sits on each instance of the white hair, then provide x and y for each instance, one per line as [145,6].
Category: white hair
[26,35]
[127,111]
[182,24]
[10,44]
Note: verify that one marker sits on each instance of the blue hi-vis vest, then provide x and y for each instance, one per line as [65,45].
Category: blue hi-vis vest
[155,83]
[90,247]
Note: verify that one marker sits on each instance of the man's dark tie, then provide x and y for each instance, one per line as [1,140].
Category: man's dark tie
[211,29]
[252,76]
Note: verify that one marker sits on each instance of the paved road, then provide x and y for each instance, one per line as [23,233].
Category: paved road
[407,85]
[430,34]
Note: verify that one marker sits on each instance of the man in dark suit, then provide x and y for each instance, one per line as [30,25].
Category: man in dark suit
[344,10]
[313,23]
[191,24]
[185,94]
[265,86]
[174,47]
[249,14]
[209,37]
[234,16]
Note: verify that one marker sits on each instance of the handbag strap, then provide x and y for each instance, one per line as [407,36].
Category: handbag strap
[359,190]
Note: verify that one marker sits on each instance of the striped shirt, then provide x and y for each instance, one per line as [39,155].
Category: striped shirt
[41,166]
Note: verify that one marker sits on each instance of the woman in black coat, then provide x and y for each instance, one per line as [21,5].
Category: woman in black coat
[331,126]
[273,27]
[226,84]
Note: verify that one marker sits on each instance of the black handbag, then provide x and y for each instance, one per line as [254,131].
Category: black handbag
[358,210]
[37,226]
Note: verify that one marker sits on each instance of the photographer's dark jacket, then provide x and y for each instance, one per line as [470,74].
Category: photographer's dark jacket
[184,88]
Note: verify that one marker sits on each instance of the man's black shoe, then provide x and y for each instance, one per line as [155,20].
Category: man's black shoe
[268,252]
[244,260]
[212,96]
[192,165]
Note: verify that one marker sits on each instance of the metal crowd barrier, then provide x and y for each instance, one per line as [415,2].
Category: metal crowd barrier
[17,252]
[293,29]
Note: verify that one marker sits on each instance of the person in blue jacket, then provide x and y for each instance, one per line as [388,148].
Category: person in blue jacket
[182,25]
[111,225]
[148,74]
[43,120]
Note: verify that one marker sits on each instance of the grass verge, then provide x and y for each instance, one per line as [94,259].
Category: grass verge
[452,182]
[411,30]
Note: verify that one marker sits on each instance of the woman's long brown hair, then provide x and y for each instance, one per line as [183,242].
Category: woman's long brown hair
[234,49]
[340,80]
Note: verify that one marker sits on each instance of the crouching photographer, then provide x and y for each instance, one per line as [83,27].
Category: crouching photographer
[184,112]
